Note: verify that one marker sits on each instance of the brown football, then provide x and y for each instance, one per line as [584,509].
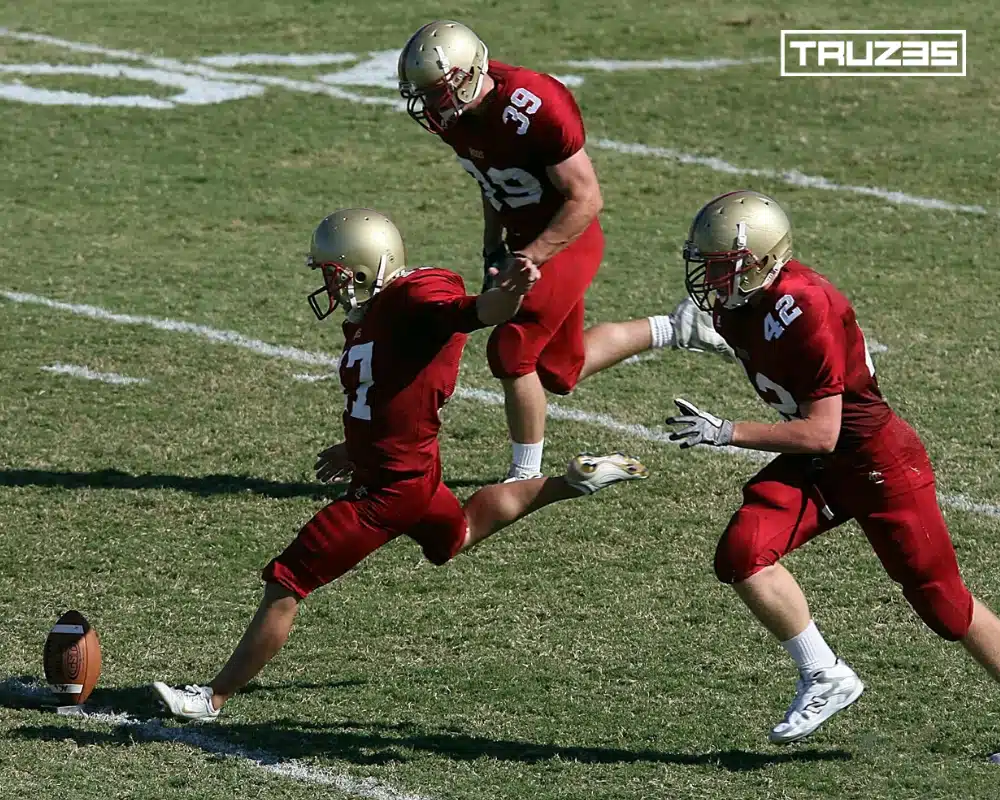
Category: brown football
[72,658]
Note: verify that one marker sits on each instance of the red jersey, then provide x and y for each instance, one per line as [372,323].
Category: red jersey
[530,121]
[399,367]
[800,341]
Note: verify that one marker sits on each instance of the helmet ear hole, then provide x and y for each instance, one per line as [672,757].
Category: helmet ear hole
[764,261]
[360,277]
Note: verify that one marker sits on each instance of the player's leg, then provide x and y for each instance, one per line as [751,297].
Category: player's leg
[448,528]
[686,328]
[608,343]
[333,542]
[780,513]
[983,639]
[495,507]
[515,348]
[911,539]
[264,637]
[525,406]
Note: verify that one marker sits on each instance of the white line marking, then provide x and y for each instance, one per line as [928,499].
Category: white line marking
[614,65]
[177,326]
[154,730]
[370,74]
[306,378]
[276,60]
[792,177]
[196,90]
[960,502]
[90,375]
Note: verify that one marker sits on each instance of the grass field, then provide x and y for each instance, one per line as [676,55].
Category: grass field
[587,653]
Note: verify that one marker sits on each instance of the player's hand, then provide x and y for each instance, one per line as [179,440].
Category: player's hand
[693,330]
[519,274]
[493,260]
[332,465]
[699,427]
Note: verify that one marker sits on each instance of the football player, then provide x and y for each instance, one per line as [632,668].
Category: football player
[403,339]
[844,453]
[520,134]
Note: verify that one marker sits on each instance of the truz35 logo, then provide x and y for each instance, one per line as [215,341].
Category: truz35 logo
[901,54]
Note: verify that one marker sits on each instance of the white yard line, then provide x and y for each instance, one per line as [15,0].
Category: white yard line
[85,372]
[198,736]
[697,64]
[487,397]
[792,177]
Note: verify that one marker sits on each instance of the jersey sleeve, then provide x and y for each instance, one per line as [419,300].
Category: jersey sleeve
[820,349]
[436,301]
[556,131]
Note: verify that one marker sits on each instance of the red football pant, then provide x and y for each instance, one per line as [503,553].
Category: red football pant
[341,535]
[900,516]
[546,334]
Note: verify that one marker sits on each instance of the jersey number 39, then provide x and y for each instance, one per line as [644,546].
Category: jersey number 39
[514,186]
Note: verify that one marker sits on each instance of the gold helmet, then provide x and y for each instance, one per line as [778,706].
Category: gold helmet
[441,71]
[737,245]
[359,251]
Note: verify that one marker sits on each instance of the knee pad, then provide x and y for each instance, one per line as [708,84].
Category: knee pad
[944,604]
[505,352]
[558,383]
[736,558]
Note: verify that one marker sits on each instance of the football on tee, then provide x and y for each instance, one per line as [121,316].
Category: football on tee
[72,658]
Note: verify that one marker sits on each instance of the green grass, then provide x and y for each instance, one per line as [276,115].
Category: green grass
[589,652]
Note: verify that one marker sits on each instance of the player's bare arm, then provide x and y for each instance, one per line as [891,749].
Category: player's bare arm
[577,182]
[816,432]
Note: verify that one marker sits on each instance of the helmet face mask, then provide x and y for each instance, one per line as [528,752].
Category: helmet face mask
[737,245]
[441,70]
[437,106]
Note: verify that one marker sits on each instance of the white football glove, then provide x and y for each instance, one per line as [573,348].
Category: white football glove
[693,330]
[700,427]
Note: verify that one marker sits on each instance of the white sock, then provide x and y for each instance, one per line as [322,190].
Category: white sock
[810,650]
[527,458]
[662,328]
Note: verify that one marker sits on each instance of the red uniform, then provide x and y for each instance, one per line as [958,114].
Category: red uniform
[800,342]
[399,367]
[532,122]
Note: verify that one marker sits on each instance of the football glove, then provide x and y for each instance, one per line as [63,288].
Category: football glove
[493,259]
[699,427]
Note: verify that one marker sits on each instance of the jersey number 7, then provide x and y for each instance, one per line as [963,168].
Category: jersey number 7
[360,354]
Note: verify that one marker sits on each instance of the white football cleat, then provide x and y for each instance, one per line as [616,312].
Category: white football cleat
[818,696]
[191,702]
[590,473]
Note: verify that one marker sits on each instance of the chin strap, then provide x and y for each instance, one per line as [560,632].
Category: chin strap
[379,275]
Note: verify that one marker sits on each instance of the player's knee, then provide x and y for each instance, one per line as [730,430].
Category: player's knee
[944,604]
[440,553]
[736,556]
[505,353]
[558,383]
